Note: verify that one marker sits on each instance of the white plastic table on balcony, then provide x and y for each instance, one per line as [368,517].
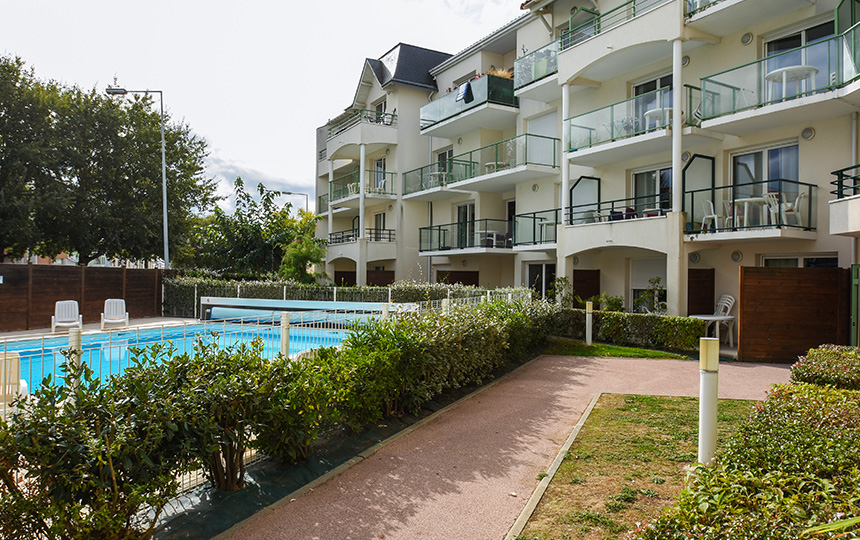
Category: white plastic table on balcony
[660,116]
[789,74]
[759,201]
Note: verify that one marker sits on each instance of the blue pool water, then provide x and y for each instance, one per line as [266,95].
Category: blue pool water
[107,353]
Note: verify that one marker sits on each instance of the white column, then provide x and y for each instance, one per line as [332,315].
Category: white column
[565,144]
[677,125]
[361,175]
[330,212]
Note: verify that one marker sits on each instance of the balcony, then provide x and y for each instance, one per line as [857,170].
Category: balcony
[769,209]
[533,74]
[379,245]
[638,222]
[375,130]
[845,209]
[344,190]
[477,236]
[497,167]
[351,235]
[722,18]
[536,229]
[604,51]
[790,87]
[487,102]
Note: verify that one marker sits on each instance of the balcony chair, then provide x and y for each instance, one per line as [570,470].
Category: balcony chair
[794,209]
[630,213]
[114,312]
[710,215]
[734,218]
[66,315]
[723,308]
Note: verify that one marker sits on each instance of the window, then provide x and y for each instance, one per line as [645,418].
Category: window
[443,162]
[380,111]
[762,171]
[820,56]
[811,261]
[464,78]
[651,100]
[379,221]
[379,176]
[653,189]
[541,277]
[466,225]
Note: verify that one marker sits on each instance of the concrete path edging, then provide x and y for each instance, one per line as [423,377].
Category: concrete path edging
[537,495]
[369,452]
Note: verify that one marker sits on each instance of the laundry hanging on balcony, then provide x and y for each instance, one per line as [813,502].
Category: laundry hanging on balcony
[464,93]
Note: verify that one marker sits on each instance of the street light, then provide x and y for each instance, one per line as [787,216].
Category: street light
[121,92]
[307,198]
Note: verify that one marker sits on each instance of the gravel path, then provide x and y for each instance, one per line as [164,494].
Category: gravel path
[468,473]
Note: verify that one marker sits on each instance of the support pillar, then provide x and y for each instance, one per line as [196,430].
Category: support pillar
[565,144]
[677,126]
[361,189]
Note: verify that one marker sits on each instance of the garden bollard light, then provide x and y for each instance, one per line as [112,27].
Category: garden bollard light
[285,334]
[709,365]
[589,307]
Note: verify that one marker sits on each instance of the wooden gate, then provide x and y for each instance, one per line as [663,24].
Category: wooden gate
[784,312]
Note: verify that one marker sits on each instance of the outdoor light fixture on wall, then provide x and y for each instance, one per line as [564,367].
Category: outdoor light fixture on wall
[747,38]
[737,256]
[807,133]
[695,257]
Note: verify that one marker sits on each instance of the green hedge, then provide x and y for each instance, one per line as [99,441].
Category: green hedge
[112,450]
[829,365]
[649,331]
[792,466]
[181,292]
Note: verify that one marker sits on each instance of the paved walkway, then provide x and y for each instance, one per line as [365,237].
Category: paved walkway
[468,473]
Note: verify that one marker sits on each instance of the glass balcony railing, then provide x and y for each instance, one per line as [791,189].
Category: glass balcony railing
[695,6]
[375,182]
[362,116]
[487,89]
[627,118]
[639,207]
[606,21]
[484,233]
[535,228]
[525,149]
[322,205]
[817,67]
[536,65]
[847,182]
[769,204]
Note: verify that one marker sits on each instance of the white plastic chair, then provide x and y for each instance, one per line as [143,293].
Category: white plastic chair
[732,219]
[114,312]
[777,217]
[710,215]
[10,381]
[794,209]
[66,315]
[724,306]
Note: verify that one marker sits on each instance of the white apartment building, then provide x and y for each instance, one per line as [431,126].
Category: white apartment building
[615,141]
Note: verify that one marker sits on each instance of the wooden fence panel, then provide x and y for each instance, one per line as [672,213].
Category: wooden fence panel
[101,284]
[51,284]
[29,292]
[783,312]
[13,297]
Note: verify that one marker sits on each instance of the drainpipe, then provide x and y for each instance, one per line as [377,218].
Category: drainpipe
[677,126]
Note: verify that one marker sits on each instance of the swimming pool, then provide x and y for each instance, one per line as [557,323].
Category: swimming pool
[107,353]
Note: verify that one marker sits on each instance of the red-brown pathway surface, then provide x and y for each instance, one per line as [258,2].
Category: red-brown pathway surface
[454,478]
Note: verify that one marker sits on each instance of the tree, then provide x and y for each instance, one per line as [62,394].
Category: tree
[257,236]
[303,252]
[81,172]
[28,160]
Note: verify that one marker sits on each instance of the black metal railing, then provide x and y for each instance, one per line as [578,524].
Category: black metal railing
[847,182]
[643,206]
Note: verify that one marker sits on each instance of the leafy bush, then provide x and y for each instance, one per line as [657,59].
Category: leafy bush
[829,365]
[90,457]
[793,465]
[629,329]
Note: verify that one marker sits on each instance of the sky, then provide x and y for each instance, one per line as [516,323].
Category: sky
[253,78]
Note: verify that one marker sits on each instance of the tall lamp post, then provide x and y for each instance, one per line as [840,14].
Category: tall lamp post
[307,198]
[121,92]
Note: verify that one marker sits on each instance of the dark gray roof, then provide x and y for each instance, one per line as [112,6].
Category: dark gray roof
[407,64]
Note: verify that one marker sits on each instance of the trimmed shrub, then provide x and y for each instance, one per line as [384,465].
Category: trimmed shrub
[89,458]
[829,365]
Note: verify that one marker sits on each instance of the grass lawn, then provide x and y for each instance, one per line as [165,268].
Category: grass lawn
[626,464]
[569,347]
